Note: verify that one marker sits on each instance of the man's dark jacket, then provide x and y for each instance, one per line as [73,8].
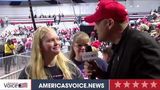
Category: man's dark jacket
[136,56]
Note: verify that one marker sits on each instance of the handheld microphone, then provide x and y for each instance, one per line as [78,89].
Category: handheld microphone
[88,48]
[91,56]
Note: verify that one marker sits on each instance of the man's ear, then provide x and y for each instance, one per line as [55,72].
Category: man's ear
[108,23]
[111,23]
[105,23]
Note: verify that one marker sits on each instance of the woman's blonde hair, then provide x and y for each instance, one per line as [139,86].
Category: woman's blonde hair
[80,38]
[36,64]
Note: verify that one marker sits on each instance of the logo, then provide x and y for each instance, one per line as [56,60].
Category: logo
[89,56]
[23,85]
[15,85]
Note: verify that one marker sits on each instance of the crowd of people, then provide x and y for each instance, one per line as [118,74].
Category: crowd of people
[149,24]
[56,18]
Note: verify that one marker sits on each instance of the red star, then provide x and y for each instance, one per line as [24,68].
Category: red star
[118,85]
[153,85]
[135,84]
[144,84]
[126,84]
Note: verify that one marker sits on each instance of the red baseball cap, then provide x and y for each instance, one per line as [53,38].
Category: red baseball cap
[108,9]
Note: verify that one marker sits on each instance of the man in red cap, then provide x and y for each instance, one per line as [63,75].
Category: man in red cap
[135,54]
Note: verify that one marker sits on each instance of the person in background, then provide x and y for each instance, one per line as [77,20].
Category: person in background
[80,41]
[20,50]
[135,54]
[47,61]
[157,37]
[2,42]
[144,28]
[8,51]
[93,36]
[28,44]
[20,47]
[2,23]
[107,53]
[97,44]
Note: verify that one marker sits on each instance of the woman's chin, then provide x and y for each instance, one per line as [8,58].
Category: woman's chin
[81,53]
[56,51]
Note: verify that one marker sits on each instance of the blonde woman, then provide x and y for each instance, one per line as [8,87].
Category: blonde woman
[80,41]
[47,61]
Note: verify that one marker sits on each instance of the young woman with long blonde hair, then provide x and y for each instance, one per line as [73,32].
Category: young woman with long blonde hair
[47,60]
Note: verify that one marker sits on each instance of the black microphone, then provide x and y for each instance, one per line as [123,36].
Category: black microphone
[89,49]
